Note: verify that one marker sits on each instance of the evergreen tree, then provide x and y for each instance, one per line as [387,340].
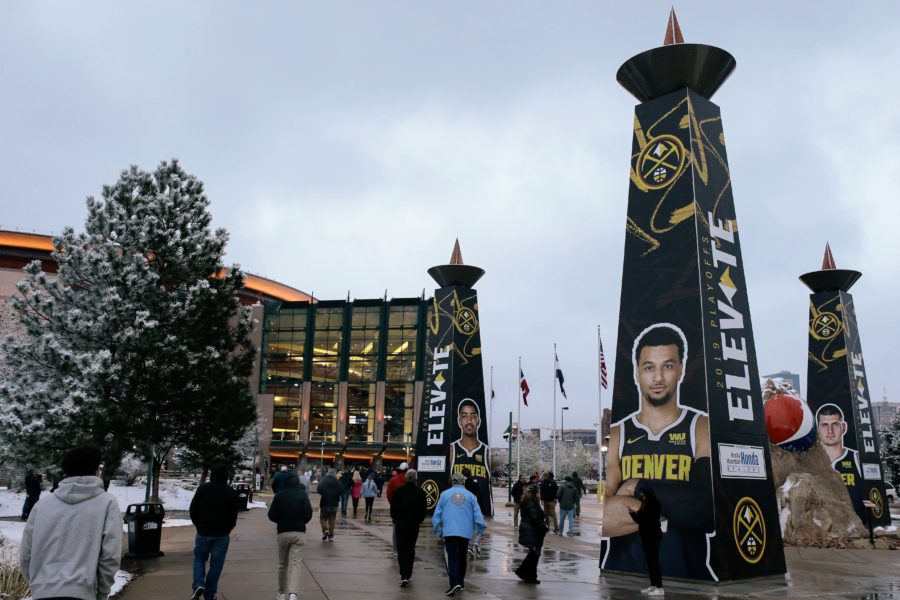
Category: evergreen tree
[890,450]
[138,343]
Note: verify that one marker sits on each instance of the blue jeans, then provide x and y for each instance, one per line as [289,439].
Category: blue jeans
[345,497]
[213,549]
[563,513]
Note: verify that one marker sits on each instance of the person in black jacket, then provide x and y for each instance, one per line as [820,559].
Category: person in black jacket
[549,489]
[407,512]
[650,532]
[531,534]
[517,489]
[330,490]
[33,484]
[582,490]
[291,511]
[214,512]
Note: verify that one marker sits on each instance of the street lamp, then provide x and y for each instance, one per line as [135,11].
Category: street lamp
[562,423]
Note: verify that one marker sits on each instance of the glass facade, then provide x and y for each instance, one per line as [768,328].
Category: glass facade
[343,375]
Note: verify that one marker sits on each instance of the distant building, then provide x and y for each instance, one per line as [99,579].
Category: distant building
[883,413]
[793,378]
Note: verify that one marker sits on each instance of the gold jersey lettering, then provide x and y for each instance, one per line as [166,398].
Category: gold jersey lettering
[849,479]
[667,467]
[474,470]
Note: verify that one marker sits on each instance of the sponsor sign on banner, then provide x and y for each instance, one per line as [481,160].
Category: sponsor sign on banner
[453,426]
[686,362]
[742,462]
[432,464]
[872,471]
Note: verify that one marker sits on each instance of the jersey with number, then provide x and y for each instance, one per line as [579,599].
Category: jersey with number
[476,462]
[664,456]
[847,466]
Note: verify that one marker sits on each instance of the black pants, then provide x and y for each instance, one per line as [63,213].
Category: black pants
[651,554]
[455,551]
[355,505]
[369,502]
[406,550]
[527,571]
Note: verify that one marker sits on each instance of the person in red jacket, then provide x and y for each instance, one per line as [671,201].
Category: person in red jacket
[397,481]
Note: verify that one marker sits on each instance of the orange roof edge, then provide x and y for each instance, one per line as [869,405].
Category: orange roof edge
[29,241]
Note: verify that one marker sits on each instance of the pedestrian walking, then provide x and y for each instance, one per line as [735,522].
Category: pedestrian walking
[407,512]
[346,480]
[582,490]
[549,489]
[517,489]
[369,491]
[33,485]
[650,532]
[532,530]
[397,481]
[330,491]
[456,515]
[72,542]
[214,510]
[356,491]
[291,511]
[567,497]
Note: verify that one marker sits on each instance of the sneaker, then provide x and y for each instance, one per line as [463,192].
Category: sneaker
[324,536]
[648,590]
[293,597]
[404,582]
[451,591]
[657,592]
[330,537]
[282,597]
[198,594]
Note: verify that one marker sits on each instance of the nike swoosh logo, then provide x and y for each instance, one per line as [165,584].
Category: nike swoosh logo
[633,440]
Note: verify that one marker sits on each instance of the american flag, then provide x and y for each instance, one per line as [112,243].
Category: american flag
[524,385]
[603,381]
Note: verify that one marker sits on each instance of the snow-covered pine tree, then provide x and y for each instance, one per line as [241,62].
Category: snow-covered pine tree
[890,450]
[139,342]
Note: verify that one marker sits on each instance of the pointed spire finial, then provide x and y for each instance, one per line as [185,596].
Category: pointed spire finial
[673,31]
[456,257]
[828,259]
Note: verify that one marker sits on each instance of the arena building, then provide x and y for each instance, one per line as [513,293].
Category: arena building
[335,381]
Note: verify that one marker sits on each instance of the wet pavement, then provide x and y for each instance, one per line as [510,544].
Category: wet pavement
[359,564]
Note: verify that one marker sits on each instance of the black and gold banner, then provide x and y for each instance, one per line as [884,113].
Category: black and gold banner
[838,393]
[453,427]
[687,410]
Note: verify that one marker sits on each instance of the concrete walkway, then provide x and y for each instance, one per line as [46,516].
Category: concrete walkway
[359,564]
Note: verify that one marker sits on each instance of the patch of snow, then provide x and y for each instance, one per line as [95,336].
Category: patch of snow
[783,516]
[256,504]
[817,522]
[12,532]
[888,529]
[174,496]
[122,579]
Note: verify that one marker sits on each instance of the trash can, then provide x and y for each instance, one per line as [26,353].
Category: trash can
[243,491]
[144,522]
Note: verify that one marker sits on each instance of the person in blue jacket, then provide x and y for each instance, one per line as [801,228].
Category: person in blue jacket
[456,515]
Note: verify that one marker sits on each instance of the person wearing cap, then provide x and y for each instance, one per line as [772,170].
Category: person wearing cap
[456,515]
[395,483]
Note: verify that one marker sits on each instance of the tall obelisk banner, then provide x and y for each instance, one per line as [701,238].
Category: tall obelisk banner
[453,425]
[838,390]
[688,423]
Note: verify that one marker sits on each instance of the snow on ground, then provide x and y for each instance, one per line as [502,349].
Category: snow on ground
[11,531]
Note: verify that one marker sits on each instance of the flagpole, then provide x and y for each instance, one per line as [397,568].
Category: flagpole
[519,424]
[553,435]
[491,420]
[600,466]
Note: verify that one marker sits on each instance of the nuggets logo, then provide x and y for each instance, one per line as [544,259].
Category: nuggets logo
[749,530]
[660,162]
[678,439]
[432,493]
[466,322]
[878,501]
[825,326]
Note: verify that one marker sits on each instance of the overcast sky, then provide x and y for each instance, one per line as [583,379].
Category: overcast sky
[346,145]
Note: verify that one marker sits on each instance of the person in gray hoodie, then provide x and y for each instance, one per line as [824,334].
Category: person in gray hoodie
[72,543]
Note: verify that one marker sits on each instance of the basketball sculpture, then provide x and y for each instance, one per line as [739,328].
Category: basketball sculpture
[790,423]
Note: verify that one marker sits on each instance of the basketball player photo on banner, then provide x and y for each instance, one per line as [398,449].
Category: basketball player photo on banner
[662,446]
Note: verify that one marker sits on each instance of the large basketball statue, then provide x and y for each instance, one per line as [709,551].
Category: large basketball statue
[838,390]
[453,427]
[687,407]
